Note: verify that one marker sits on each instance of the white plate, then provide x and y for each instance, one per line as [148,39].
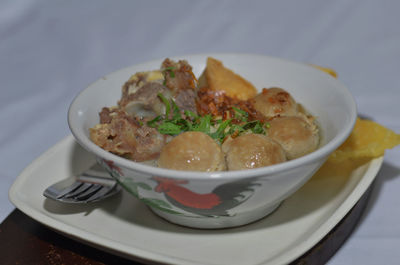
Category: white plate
[125,226]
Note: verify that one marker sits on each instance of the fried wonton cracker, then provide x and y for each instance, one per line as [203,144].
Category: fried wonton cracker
[219,78]
[367,140]
[326,70]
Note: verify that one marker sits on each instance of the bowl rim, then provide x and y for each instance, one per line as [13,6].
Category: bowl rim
[320,154]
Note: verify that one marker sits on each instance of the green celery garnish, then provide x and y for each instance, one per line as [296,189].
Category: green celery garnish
[170,69]
[176,124]
[240,114]
[190,114]
[220,134]
[154,121]
[166,103]
[169,128]
[176,111]
[204,124]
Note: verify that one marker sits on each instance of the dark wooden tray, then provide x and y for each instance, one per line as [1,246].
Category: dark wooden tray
[26,241]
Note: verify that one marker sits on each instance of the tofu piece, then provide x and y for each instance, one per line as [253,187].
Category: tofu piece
[217,77]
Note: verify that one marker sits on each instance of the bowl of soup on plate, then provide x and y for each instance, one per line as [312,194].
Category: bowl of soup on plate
[213,141]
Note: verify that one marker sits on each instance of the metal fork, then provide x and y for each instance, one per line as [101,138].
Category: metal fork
[92,185]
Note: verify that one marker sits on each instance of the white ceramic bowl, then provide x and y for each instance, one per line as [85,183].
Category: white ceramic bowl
[229,198]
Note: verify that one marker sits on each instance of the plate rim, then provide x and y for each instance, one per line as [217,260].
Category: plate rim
[345,207]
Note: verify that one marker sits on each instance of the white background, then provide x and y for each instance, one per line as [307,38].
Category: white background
[50,50]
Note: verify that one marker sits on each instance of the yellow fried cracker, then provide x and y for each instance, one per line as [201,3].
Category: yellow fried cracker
[367,140]
[326,70]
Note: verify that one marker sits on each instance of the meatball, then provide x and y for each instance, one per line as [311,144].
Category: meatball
[296,135]
[192,151]
[275,101]
[252,151]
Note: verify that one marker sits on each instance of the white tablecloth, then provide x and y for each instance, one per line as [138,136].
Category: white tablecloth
[50,50]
